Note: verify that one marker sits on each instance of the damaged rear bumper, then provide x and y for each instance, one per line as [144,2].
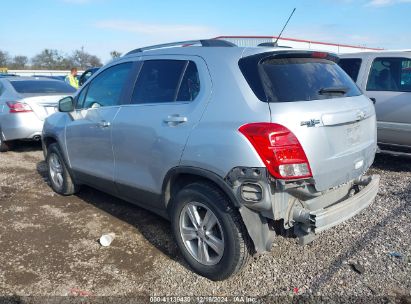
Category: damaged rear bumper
[266,204]
[328,217]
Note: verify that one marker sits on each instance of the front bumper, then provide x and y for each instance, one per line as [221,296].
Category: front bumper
[328,217]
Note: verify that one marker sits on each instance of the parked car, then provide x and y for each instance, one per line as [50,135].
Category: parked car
[385,77]
[226,142]
[24,104]
[61,78]
[86,75]
[2,75]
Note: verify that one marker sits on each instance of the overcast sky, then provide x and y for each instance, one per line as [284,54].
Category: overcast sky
[28,26]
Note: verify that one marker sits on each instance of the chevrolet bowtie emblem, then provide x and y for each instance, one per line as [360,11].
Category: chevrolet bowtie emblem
[310,123]
[360,115]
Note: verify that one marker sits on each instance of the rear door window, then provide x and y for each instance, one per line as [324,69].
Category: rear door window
[167,80]
[390,74]
[300,78]
[42,86]
[351,66]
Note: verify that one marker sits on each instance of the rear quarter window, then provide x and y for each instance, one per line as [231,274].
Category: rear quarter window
[42,86]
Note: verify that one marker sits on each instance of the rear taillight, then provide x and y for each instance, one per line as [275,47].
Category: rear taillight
[279,149]
[18,107]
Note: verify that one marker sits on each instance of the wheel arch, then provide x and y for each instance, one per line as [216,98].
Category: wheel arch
[178,177]
[256,225]
[46,141]
[49,139]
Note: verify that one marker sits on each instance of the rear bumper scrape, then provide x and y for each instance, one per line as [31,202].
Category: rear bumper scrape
[333,215]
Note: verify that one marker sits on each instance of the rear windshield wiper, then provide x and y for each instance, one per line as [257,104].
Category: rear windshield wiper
[333,90]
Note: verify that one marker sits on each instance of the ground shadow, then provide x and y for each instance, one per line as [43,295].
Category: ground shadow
[363,242]
[392,163]
[143,220]
[25,146]
[162,237]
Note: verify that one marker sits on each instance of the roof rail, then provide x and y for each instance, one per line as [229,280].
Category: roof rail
[202,42]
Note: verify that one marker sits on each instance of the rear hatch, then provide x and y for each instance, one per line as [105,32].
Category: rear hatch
[42,95]
[309,94]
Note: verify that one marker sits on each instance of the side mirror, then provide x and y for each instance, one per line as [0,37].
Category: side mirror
[66,104]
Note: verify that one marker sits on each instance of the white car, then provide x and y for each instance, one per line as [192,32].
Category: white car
[385,77]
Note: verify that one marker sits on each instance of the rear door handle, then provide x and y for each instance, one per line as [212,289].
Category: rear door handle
[104,124]
[175,119]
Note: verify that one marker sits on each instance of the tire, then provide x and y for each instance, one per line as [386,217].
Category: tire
[4,145]
[226,230]
[58,174]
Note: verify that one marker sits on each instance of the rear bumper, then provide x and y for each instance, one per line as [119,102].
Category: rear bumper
[21,126]
[266,203]
[328,217]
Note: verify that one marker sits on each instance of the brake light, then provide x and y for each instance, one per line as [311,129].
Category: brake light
[279,149]
[319,55]
[18,107]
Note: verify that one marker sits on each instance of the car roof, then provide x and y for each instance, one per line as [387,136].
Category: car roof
[236,52]
[383,52]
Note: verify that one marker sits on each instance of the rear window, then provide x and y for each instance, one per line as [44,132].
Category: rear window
[299,78]
[351,66]
[41,86]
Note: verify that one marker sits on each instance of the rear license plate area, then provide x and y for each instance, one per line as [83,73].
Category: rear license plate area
[353,133]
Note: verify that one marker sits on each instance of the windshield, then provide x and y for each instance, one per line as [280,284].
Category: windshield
[42,86]
[297,79]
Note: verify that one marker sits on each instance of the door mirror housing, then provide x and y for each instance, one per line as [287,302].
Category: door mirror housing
[66,104]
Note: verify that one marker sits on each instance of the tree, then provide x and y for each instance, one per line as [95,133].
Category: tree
[4,59]
[115,54]
[19,62]
[48,59]
[84,60]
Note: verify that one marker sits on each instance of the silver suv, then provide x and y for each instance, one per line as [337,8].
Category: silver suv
[227,142]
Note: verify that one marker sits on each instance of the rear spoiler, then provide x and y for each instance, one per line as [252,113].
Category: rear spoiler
[261,57]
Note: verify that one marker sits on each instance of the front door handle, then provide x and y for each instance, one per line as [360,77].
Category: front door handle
[175,119]
[104,124]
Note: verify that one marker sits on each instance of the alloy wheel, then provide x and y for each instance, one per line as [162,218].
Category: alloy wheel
[201,233]
[56,170]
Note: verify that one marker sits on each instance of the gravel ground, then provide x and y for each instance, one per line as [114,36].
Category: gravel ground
[48,247]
